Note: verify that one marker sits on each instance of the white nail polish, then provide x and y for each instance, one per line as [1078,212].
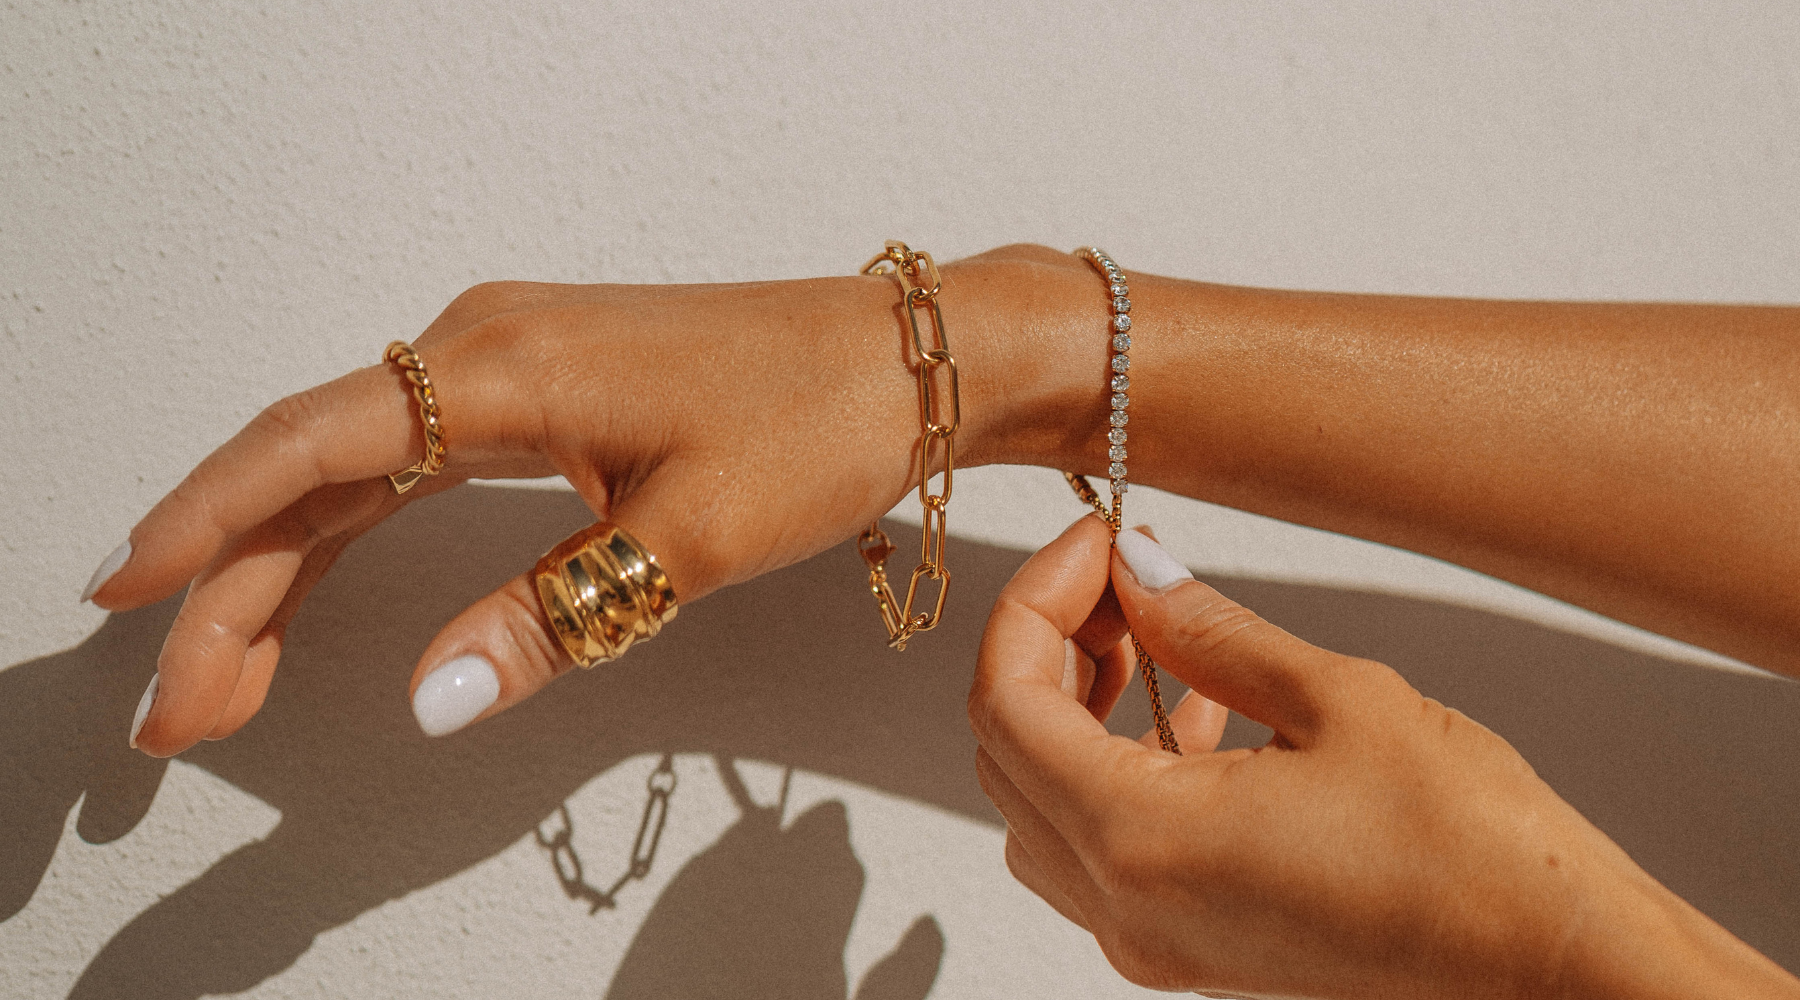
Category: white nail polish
[107,569]
[451,696]
[1154,567]
[143,709]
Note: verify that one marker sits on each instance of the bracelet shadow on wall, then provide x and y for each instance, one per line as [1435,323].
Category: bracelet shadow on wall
[1695,772]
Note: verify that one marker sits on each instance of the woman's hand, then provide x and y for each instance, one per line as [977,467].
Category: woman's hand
[733,428]
[1380,845]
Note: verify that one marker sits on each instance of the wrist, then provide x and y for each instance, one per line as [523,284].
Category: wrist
[1031,343]
[1646,942]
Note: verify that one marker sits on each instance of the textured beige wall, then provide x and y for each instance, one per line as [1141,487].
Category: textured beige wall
[204,207]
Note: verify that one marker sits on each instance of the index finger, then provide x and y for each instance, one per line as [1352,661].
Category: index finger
[1051,747]
[356,427]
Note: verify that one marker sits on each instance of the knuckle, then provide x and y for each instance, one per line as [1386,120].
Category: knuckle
[298,529]
[984,773]
[1377,672]
[1121,863]
[1441,720]
[501,332]
[1453,728]
[513,342]
[487,300]
[291,416]
[1213,624]
[275,630]
[291,424]
[1437,716]
[196,503]
[542,657]
[195,638]
[1018,863]
[1132,875]
[1136,962]
[981,707]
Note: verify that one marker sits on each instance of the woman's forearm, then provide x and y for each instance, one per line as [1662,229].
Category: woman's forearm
[1636,459]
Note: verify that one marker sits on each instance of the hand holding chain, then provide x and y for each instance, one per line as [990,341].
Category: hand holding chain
[919,288]
[1119,382]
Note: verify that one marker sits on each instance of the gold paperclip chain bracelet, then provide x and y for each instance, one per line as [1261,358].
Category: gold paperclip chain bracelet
[919,288]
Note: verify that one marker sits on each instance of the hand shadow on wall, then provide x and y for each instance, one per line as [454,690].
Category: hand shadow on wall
[1695,772]
[765,912]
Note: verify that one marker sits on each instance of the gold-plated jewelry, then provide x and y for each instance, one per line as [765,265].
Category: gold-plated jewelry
[919,287]
[602,592]
[401,353]
[1119,382]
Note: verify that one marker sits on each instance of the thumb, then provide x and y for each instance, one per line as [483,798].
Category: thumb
[1220,648]
[496,653]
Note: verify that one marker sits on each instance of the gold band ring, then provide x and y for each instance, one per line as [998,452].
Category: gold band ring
[602,592]
[400,353]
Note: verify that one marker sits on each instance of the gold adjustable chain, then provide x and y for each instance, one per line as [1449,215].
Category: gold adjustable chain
[1119,382]
[919,288]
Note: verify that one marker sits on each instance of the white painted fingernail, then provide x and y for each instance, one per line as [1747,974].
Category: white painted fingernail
[143,709]
[1154,567]
[107,569]
[451,696]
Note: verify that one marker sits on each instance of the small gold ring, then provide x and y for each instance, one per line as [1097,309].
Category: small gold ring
[413,367]
[602,592]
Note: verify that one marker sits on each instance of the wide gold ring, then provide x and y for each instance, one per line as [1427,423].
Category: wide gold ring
[602,592]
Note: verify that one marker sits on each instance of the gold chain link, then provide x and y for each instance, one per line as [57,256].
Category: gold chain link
[919,287]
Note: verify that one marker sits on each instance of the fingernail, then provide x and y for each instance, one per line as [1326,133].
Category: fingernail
[143,709]
[451,696]
[107,568]
[1154,567]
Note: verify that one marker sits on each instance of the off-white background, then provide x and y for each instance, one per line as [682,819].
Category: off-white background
[204,207]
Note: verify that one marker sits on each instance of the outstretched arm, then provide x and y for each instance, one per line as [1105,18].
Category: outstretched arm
[1633,459]
[1636,459]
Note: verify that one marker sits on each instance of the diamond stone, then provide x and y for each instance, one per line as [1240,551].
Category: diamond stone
[1121,382]
[1121,304]
[1120,486]
[1121,323]
[1121,362]
[1121,342]
[1116,435]
[1116,453]
[1119,289]
[1116,470]
[1120,401]
[1118,418]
